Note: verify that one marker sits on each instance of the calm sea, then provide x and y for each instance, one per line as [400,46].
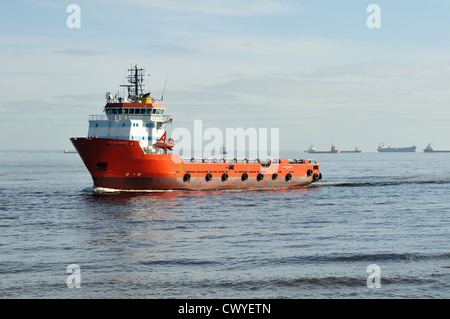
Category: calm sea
[376,226]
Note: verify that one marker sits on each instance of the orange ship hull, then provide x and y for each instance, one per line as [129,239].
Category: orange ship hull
[122,165]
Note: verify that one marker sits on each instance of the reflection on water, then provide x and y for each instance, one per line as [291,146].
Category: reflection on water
[149,226]
[130,225]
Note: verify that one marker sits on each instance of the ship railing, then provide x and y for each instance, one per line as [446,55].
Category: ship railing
[224,160]
[244,161]
[122,117]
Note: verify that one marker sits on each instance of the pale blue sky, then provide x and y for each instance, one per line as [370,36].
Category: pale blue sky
[313,69]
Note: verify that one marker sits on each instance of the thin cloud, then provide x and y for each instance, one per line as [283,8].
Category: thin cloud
[50,4]
[79,52]
[234,8]
[170,49]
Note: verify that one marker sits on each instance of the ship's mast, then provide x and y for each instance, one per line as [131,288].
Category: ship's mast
[135,80]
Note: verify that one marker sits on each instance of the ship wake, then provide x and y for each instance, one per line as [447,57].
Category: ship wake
[386,182]
[105,190]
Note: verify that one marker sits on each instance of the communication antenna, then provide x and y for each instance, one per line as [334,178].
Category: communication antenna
[164,89]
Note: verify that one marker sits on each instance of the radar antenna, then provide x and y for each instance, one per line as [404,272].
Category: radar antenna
[135,80]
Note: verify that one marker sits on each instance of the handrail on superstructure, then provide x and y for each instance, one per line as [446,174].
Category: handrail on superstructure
[143,117]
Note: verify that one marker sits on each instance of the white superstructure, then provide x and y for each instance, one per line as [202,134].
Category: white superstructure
[139,117]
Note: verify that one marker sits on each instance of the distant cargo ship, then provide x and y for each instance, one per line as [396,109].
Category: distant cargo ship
[356,150]
[312,150]
[384,148]
[429,149]
[223,150]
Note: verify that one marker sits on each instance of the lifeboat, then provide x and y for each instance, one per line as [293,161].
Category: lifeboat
[166,146]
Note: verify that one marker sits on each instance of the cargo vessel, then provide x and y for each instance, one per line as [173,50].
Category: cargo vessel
[429,149]
[356,150]
[312,149]
[384,148]
[127,149]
